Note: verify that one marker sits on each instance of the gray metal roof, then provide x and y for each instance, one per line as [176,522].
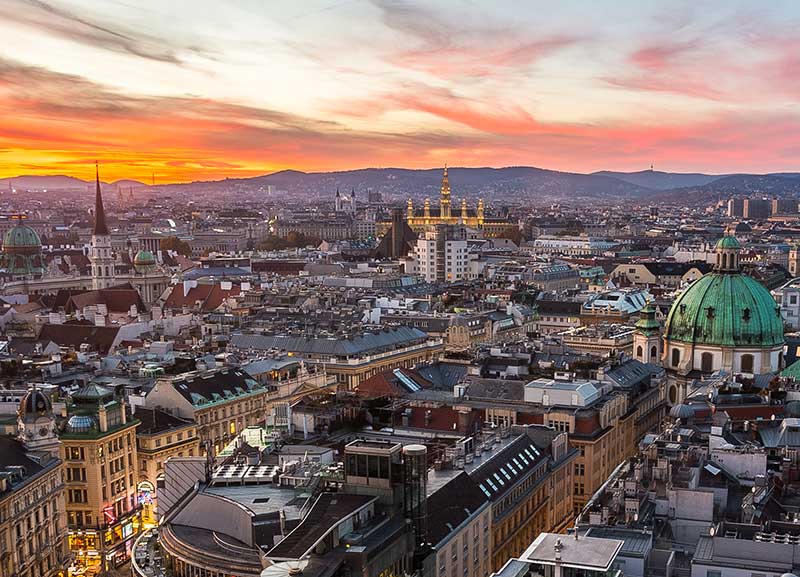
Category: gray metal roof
[364,343]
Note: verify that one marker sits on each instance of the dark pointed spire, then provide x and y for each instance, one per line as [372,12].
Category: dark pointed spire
[100,226]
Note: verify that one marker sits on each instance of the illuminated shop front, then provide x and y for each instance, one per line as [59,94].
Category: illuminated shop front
[89,549]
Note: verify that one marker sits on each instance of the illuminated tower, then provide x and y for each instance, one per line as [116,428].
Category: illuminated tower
[480,211]
[426,211]
[464,212]
[410,210]
[101,258]
[444,196]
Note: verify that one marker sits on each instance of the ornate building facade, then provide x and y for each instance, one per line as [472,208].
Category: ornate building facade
[445,213]
[32,519]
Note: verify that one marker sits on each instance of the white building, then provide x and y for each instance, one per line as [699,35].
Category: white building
[441,255]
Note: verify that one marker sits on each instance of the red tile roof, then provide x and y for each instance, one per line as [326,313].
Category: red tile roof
[210,297]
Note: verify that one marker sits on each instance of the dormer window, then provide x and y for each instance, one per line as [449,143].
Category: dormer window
[746,314]
[710,312]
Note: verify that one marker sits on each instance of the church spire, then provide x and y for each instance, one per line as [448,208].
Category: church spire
[100,226]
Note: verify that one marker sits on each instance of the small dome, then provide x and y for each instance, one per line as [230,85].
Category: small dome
[681,412]
[144,258]
[792,409]
[743,227]
[35,402]
[728,242]
[81,424]
[93,393]
[788,575]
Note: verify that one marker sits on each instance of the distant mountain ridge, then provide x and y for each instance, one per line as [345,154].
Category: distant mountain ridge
[509,183]
[60,182]
[658,180]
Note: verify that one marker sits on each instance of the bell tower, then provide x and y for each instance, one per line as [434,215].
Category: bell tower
[647,338]
[101,256]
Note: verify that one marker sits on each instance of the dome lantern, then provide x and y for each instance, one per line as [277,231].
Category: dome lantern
[727,250]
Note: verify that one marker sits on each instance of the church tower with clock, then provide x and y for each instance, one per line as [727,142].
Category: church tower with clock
[36,424]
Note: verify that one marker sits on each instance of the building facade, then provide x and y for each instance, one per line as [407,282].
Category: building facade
[32,517]
[98,447]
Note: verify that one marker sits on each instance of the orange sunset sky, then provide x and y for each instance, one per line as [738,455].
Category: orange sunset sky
[208,90]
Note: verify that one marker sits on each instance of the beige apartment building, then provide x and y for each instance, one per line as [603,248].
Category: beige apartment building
[159,437]
[99,454]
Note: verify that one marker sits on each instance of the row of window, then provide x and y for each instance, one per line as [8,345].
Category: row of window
[746,362]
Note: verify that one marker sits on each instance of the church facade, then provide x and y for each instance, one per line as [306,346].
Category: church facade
[420,220]
[24,270]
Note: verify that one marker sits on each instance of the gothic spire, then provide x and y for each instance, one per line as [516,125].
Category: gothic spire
[100,226]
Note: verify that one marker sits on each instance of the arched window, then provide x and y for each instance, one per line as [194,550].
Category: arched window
[747,363]
[707,362]
[724,261]
[639,352]
[653,353]
[676,357]
[673,394]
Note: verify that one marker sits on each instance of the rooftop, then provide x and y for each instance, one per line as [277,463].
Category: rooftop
[592,553]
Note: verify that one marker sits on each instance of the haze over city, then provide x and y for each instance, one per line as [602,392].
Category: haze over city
[247,88]
[399,288]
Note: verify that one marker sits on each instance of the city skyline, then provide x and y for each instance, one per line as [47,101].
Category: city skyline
[238,90]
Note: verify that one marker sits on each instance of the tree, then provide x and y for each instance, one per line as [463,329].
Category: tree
[512,233]
[175,244]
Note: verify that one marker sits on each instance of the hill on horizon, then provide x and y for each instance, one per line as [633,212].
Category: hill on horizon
[511,183]
[61,182]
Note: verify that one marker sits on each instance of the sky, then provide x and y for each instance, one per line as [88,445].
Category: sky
[203,90]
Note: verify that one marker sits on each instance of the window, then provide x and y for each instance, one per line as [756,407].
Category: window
[676,357]
[639,351]
[653,352]
[747,363]
[707,362]
[711,573]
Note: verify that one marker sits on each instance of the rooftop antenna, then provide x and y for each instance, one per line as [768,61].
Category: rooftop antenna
[153,177]
[651,167]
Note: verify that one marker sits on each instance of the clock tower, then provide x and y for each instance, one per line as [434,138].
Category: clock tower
[36,424]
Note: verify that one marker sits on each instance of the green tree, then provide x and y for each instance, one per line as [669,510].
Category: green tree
[175,244]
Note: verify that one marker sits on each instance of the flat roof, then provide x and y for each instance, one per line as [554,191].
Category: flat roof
[262,498]
[582,553]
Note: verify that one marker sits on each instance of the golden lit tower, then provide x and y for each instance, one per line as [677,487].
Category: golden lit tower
[444,196]
[464,210]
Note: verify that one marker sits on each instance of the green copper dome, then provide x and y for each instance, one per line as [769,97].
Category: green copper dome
[728,242]
[726,309]
[21,236]
[144,258]
[22,251]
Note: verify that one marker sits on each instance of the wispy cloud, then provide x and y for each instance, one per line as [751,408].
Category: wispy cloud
[50,19]
[451,46]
